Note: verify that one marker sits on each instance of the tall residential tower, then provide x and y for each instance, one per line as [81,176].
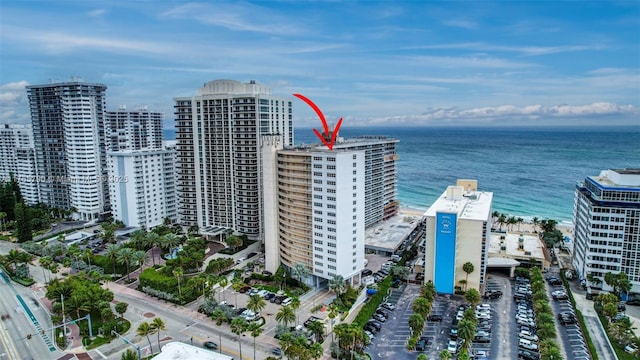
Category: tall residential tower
[69,137]
[219,161]
[606,216]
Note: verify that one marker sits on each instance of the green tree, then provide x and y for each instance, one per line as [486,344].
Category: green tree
[468,269]
[23,222]
[466,331]
[421,306]
[256,303]
[129,355]
[422,356]
[138,258]
[333,313]
[233,241]
[238,326]
[317,328]
[153,240]
[178,272]
[145,329]
[125,255]
[444,355]
[610,310]
[428,291]
[285,315]
[337,285]
[295,305]
[121,308]
[78,304]
[138,239]
[416,323]
[472,296]
[158,324]
[399,272]
[112,253]
[45,263]
[255,329]
[299,272]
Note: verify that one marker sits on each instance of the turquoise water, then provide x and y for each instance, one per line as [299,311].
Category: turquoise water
[531,171]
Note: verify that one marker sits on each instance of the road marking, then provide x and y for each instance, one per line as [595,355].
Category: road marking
[101,354]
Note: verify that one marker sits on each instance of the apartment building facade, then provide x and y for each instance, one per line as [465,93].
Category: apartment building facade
[319,198]
[458,231]
[607,226]
[70,146]
[17,159]
[133,129]
[218,159]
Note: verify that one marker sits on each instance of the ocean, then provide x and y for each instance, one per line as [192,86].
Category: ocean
[532,172]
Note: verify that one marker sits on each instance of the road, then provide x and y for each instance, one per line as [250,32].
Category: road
[26,317]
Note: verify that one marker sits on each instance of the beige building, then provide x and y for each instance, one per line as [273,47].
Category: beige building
[508,250]
[458,231]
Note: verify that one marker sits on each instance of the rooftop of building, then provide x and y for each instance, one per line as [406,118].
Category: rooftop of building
[181,351]
[618,177]
[465,201]
[345,143]
[510,241]
[389,235]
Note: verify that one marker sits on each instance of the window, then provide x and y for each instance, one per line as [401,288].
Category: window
[330,244]
[331,167]
[319,242]
[317,173]
[331,198]
[317,166]
[331,259]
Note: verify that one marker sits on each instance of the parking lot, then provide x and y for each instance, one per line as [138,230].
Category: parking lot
[572,341]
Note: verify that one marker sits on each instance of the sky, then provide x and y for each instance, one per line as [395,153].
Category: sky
[373,63]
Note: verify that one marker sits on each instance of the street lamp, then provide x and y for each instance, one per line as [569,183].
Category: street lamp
[235,293]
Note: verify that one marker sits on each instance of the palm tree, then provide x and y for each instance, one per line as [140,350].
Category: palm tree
[158,324]
[145,329]
[170,241]
[416,323]
[129,355]
[285,315]
[222,281]
[317,328]
[519,221]
[78,304]
[121,308]
[421,306]
[139,257]
[502,219]
[422,356]
[256,303]
[178,272]
[472,296]
[256,330]
[467,268]
[337,285]
[535,222]
[466,331]
[446,355]
[295,305]
[124,257]
[333,313]
[299,271]
[238,326]
[138,239]
[45,263]
[153,239]
[112,253]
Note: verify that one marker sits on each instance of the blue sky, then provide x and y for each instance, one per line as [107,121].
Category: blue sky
[372,63]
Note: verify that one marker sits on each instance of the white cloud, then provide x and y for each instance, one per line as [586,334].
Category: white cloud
[97,12]
[507,114]
[461,23]
[13,102]
[523,50]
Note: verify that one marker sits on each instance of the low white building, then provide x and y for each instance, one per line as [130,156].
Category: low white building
[142,186]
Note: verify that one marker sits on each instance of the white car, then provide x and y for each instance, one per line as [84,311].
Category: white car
[529,345]
[452,346]
[528,335]
[631,348]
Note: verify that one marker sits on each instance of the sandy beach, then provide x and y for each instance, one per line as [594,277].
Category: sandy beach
[526,227]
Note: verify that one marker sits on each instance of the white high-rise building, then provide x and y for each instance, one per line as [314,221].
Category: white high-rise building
[17,158]
[69,138]
[142,186]
[133,130]
[219,162]
[314,210]
[606,217]
[458,231]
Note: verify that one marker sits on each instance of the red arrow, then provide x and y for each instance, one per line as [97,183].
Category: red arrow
[324,123]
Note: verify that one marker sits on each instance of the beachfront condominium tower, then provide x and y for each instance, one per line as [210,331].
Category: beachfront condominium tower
[218,157]
[314,204]
[17,159]
[606,216]
[133,129]
[458,231]
[69,138]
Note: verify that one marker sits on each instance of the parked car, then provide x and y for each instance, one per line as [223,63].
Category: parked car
[528,345]
[421,345]
[453,333]
[631,348]
[382,312]
[244,289]
[286,301]
[310,320]
[377,325]
[379,317]
[452,346]
[267,273]
[389,306]
[528,355]
[633,302]
[396,283]
[367,272]
[434,317]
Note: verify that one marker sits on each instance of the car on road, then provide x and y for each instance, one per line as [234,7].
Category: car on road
[210,345]
[240,260]
[267,273]
[552,280]
[389,306]
[434,317]
[633,302]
